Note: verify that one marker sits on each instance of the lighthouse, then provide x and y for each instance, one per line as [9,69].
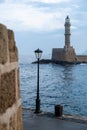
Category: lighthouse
[67,53]
[67,32]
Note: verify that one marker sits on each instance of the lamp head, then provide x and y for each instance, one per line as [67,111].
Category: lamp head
[38,53]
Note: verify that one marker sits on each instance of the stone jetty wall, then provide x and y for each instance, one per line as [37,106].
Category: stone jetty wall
[60,54]
[82,58]
[69,56]
[10,99]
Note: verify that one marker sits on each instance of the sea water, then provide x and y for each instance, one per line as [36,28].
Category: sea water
[65,85]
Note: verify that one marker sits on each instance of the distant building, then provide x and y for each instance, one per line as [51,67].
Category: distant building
[67,54]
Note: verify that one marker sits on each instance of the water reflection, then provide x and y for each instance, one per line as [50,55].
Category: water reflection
[67,77]
[67,87]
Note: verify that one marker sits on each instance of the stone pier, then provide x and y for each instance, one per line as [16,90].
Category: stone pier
[10,99]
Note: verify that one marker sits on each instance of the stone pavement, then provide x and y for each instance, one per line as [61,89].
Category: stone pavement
[45,121]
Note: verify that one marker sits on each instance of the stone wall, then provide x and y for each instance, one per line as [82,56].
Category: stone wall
[82,58]
[10,100]
[60,54]
[70,55]
[67,55]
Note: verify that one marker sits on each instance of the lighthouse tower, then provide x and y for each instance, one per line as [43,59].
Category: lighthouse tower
[67,32]
[70,55]
[66,54]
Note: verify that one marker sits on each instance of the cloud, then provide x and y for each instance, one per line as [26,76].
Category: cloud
[24,16]
[43,1]
[51,1]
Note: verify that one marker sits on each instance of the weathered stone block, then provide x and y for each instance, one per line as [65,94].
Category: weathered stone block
[13,52]
[3,127]
[7,90]
[3,44]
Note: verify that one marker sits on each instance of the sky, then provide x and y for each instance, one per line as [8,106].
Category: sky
[40,23]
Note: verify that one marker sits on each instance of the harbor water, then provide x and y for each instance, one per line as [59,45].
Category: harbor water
[65,85]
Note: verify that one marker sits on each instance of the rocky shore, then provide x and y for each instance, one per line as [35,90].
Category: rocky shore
[48,61]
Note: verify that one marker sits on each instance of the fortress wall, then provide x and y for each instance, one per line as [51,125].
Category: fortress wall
[70,55]
[58,54]
[10,99]
[82,58]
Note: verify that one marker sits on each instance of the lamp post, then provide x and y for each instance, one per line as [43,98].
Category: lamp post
[38,54]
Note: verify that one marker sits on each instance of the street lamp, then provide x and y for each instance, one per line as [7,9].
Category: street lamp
[38,54]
